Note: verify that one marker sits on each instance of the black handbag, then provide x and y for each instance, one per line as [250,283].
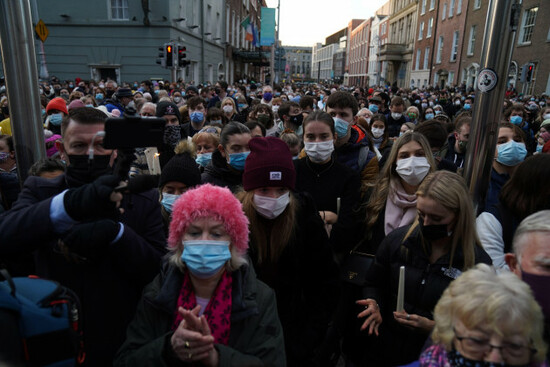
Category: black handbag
[355,266]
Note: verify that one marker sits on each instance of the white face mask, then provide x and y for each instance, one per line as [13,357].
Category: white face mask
[396,115]
[275,108]
[320,151]
[413,169]
[227,109]
[271,208]
[377,132]
[546,116]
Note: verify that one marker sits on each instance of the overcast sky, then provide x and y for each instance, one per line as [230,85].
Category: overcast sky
[305,22]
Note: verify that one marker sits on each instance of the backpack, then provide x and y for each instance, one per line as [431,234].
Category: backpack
[47,316]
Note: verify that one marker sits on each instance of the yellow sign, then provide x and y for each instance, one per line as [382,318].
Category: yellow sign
[42,30]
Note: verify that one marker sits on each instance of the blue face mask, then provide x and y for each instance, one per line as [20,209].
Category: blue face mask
[467,106]
[373,108]
[242,106]
[341,127]
[90,105]
[539,148]
[99,96]
[168,201]
[511,153]
[516,120]
[203,159]
[429,116]
[196,116]
[205,258]
[237,160]
[56,118]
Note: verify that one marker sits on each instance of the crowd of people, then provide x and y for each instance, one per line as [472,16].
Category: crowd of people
[229,243]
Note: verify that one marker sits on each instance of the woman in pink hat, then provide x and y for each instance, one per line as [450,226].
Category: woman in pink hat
[206,306]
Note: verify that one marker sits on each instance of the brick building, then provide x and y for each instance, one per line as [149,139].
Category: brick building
[359,42]
[426,29]
[532,45]
[449,38]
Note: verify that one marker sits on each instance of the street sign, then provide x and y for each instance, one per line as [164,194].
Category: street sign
[42,30]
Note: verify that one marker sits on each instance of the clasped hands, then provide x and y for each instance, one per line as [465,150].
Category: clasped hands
[192,341]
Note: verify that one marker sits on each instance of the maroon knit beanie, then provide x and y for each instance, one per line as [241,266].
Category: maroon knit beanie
[268,164]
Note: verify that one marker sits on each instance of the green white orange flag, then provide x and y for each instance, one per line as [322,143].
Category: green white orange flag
[248,26]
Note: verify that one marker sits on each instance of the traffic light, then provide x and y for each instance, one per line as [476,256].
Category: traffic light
[161,60]
[529,73]
[182,56]
[169,47]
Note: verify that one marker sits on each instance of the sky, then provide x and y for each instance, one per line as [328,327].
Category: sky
[306,22]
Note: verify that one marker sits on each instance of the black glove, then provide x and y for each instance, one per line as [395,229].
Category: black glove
[91,240]
[92,201]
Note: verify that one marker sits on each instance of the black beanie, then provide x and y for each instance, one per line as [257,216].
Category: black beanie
[168,108]
[181,168]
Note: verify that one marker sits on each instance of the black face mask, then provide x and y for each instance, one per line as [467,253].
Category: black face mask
[297,120]
[434,232]
[109,93]
[458,360]
[5,110]
[81,171]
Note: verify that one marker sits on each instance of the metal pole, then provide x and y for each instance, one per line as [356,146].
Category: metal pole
[277,41]
[203,79]
[378,62]
[500,33]
[43,67]
[19,60]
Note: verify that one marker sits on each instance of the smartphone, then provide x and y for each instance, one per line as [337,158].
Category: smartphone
[133,132]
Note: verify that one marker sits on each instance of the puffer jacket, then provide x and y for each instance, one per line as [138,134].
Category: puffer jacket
[256,336]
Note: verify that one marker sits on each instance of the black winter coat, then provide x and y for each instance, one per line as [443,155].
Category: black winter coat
[305,280]
[219,173]
[255,338]
[109,289]
[424,285]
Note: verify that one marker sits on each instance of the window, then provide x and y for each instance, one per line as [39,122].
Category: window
[426,59]
[459,7]
[444,11]
[383,29]
[477,4]
[451,8]
[454,51]
[472,41]
[430,26]
[451,77]
[423,7]
[439,50]
[418,54]
[527,25]
[119,9]
[421,31]
[432,4]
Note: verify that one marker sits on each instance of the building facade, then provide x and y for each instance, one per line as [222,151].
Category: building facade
[120,39]
[297,63]
[359,42]
[374,67]
[397,53]
[449,38]
[531,46]
[426,29]
[322,62]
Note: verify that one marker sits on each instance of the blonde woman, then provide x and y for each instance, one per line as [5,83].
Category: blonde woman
[486,319]
[392,202]
[229,109]
[435,249]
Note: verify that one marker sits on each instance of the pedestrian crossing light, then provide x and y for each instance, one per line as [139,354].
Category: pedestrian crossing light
[529,76]
[182,57]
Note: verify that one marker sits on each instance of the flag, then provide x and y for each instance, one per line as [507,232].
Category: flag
[249,29]
[255,37]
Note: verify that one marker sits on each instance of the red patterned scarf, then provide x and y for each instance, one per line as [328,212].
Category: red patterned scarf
[218,310]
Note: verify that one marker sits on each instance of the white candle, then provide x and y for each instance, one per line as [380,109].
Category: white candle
[337,206]
[401,290]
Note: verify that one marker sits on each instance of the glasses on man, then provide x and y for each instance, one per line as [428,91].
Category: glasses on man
[482,347]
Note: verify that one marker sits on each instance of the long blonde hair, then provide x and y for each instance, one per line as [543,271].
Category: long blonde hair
[380,191]
[282,232]
[449,189]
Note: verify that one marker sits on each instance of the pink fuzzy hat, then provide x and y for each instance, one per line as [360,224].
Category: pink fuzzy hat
[209,201]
